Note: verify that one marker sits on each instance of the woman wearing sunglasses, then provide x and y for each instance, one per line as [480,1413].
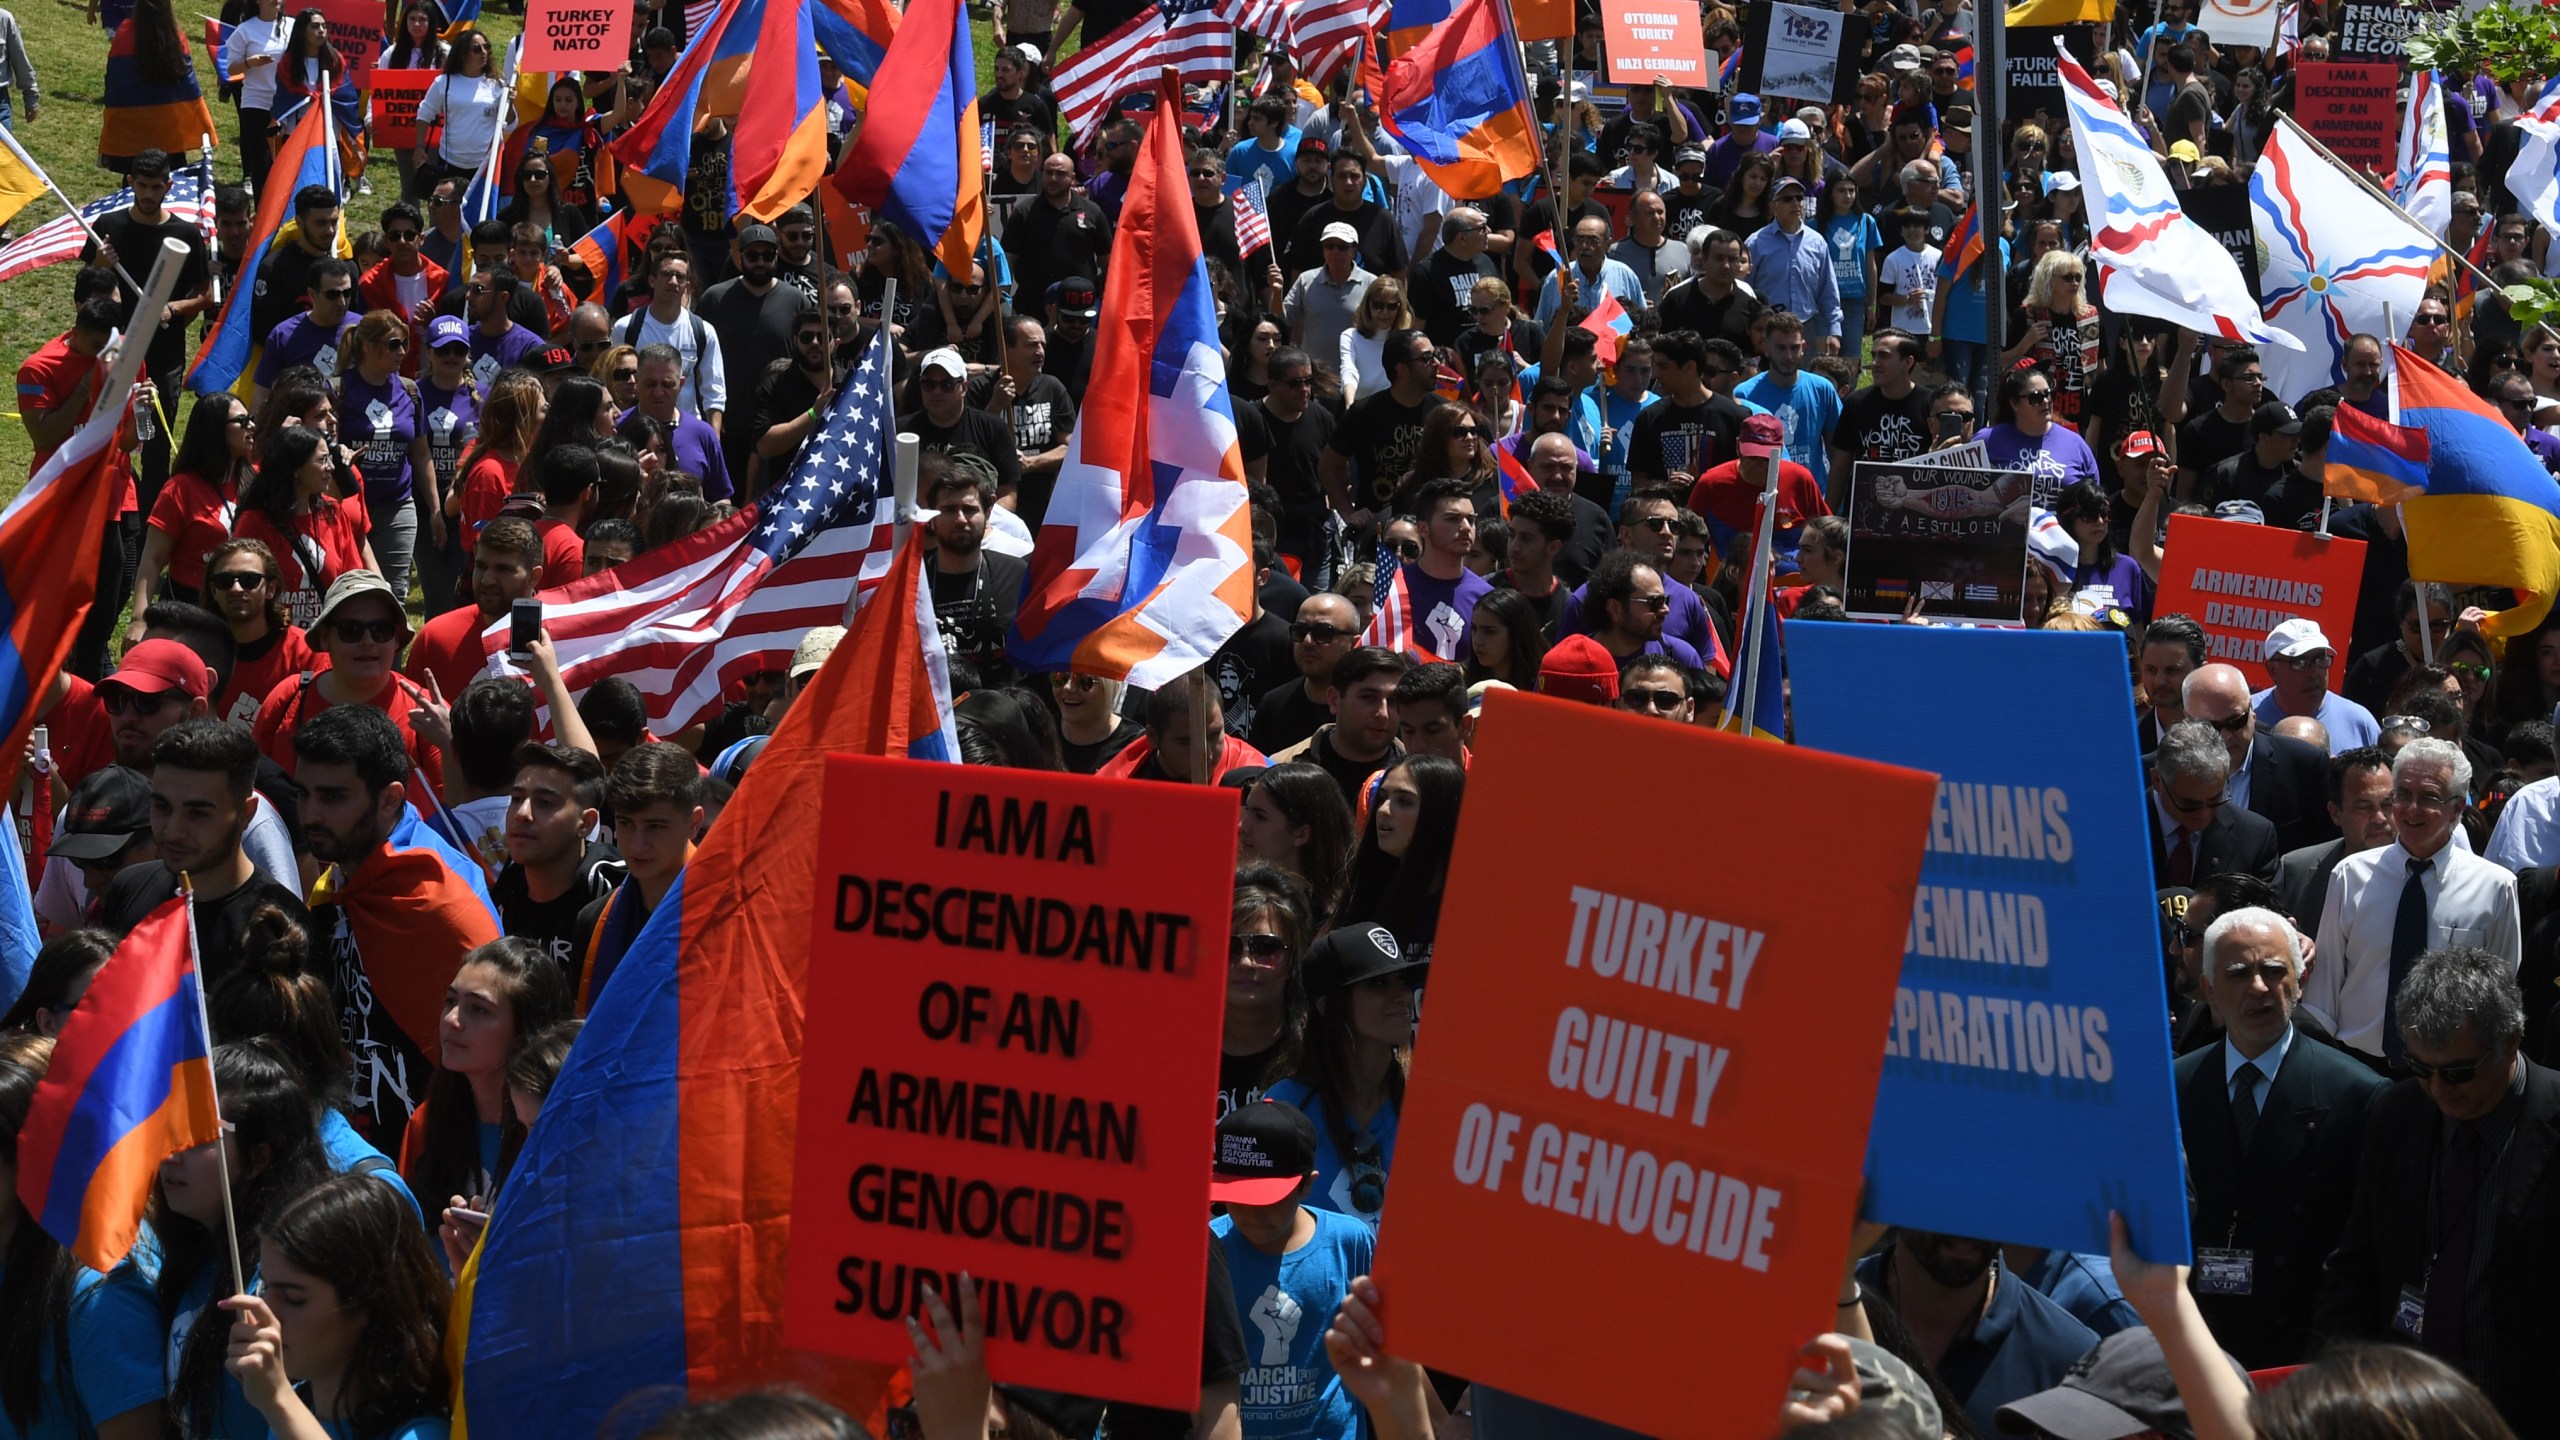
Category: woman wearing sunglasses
[315,533]
[193,512]
[361,629]
[1266,1019]
[2027,437]
[1091,728]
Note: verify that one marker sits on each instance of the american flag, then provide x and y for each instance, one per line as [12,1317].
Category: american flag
[1323,36]
[1189,35]
[1253,216]
[61,238]
[1391,618]
[685,621]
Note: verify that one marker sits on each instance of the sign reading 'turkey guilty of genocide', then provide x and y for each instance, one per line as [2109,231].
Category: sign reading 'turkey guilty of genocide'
[1645,1079]
[2240,581]
[1015,989]
[2026,1074]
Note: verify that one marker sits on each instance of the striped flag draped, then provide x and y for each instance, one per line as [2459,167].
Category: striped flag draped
[1253,216]
[1189,35]
[61,237]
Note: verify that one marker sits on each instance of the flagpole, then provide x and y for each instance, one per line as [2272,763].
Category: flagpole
[221,1142]
[82,220]
[1756,604]
[2413,222]
[205,166]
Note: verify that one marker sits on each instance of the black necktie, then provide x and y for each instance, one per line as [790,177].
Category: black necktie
[2408,942]
[2182,856]
[2244,1101]
[2448,1297]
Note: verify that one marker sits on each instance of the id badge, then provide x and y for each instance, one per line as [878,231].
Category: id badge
[2411,1316]
[2226,1272]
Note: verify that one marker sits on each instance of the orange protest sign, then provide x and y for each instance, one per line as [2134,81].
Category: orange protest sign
[1542,19]
[355,28]
[1648,41]
[396,94]
[1639,1099]
[2240,581]
[1015,989]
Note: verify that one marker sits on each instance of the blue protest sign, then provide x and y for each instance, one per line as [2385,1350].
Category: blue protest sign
[2026,1087]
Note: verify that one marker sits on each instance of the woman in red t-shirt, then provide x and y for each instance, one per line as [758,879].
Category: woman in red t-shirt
[194,512]
[509,419]
[315,533]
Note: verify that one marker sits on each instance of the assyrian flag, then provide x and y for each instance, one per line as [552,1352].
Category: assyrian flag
[2424,183]
[2534,178]
[2334,263]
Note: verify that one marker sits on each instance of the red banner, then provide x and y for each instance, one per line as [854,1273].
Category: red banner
[1016,984]
[1643,1082]
[2352,109]
[355,27]
[396,94]
[2240,581]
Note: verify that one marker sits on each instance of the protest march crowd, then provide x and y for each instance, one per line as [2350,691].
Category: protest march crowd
[475,525]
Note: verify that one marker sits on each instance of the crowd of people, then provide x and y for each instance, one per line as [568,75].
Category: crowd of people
[2359,875]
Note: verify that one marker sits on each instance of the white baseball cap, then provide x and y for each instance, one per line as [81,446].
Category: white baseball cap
[1342,232]
[2297,637]
[2060,180]
[1795,132]
[946,360]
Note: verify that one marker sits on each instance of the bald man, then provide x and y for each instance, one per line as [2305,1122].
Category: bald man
[2284,780]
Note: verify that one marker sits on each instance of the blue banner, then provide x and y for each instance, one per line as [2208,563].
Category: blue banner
[2026,1088]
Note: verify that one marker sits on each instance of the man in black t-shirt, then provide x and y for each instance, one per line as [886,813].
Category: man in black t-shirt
[1709,302]
[790,402]
[1889,419]
[554,872]
[1361,741]
[1444,285]
[1326,629]
[1689,205]
[202,775]
[132,239]
[2221,431]
[1257,657]
[1691,430]
[1043,414]
[1380,434]
[945,422]
[1058,233]
[2275,434]
[1381,243]
[975,590]
[1283,437]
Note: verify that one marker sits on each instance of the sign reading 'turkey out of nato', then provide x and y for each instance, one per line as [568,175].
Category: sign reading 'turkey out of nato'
[2026,1085]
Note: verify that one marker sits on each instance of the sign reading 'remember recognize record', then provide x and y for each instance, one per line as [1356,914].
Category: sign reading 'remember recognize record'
[1016,983]
[1638,1104]
[2026,1068]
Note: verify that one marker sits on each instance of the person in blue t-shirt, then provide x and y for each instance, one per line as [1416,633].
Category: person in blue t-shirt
[1809,404]
[1291,1265]
[1359,1044]
[1270,149]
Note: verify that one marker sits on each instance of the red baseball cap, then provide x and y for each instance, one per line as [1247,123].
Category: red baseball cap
[2140,442]
[156,667]
[1763,436]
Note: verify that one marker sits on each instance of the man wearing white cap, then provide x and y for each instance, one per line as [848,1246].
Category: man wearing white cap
[945,422]
[1322,300]
[2298,658]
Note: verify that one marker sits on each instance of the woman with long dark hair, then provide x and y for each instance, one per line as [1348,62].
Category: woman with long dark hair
[464,100]
[289,504]
[890,254]
[416,44]
[194,511]
[2104,577]
[1456,441]
[55,983]
[1358,1047]
[252,51]
[1510,650]
[1290,821]
[309,73]
[1403,860]
[79,1351]
[2529,678]
[271,1151]
[1266,994]
[542,200]
[1744,206]
[383,417]
[347,1340]
[463,1133]
[510,418]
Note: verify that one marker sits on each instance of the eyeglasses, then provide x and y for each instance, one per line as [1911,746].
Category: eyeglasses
[1486,309]
[2228,724]
[1068,681]
[2415,725]
[356,632]
[590,347]
[2198,807]
[396,344]
[939,382]
[2309,660]
[1660,524]
[244,420]
[2424,318]
[1655,603]
[1260,947]
[117,700]
[2460,1072]
[2249,377]
[627,377]
[2421,799]
[811,337]
[236,580]
[1409,549]
[1653,702]
[1316,632]
[1293,382]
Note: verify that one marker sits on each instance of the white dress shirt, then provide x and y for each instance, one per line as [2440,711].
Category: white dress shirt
[2528,832]
[2469,902]
[2268,1064]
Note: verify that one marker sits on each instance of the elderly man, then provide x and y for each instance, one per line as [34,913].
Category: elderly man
[2389,905]
[2284,780]
[2453,1241]
[2298,657]
[1444,284]
[2360,804]
[1791,266]
[2272,1122]
[2197,829]
[1571,289]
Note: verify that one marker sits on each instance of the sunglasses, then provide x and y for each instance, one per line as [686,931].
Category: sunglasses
[1660,524]
[812,337]
[117,700]
[939,382]
[337,293]
[2461,1072]
[401,237]
[1409,549]
[1316,632]
[1654,702]
[1260,947]
[1077,683]
[2037,397]
[2470,670]
[1467,432]
[1953,417]
[2197,807]
[1655,603]
[2229,724]
[2415,725]
[356,632]
[591,347]
[236,580]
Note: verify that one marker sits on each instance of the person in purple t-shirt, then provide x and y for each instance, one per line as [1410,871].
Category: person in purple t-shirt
[1625,604]
[2030,439]
[695,443]
[1444,591]
[313,337]
[497,342]
[378,414]
[2103,578]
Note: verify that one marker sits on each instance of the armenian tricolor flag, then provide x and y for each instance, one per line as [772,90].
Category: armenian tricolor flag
[1459,101]
[2374,460]
[778,148]
[1964,243]
[913,162]
[142,113]
[602,251]
[657,151]
[2491,513]
[302,160]
[856,35]
[48,567]
[130,1084]
[1511,478]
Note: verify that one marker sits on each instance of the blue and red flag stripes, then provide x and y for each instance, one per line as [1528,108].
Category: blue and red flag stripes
[303,159]
[143,111]
[657,151]
[2491,513]
[130,1084]
[49,538]
[917,162]
[1459,101]
[856,35]
[1964,243]
[778,149]
[1511,479]
[2374,460]
[603,250]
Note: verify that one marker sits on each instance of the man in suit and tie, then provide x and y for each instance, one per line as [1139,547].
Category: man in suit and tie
[2284,780]
[2197,831]
[2360,806]
[2388,906]
[2452,1242]
[2272,1123]
[2173,646]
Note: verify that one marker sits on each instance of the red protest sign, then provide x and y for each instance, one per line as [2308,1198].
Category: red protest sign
[1642,1081]
[396,94]
[355,27]
[2351,108]
[1648,41]
[1016,984]
[2240,581]
[1542,19]
[575,35]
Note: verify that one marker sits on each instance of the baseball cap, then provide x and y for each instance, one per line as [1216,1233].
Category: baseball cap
[351,585]
[447,330]
[1356,955]
[156,667]
[1581,92]
[757,234]
[110,807]
[2060,180]
[1076,296]
[1340,231]
[1689,154]
[1763,436]
[1795,132]
[1027,53]
[2185,150]
[1785,184]
[946,360]
[2120,1389]
[1313,145]
[1742,110]
[1578,668]
[1265,1150]
[2139,443]
[1482,688]
[555,361]
[2107,88]
[2274,417]
[811,653]
[2297,636]
[1902,57]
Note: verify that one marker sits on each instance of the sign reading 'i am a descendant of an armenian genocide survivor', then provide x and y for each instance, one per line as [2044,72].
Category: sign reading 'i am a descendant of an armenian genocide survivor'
[1015,988]
[2026,1069]
[2240,581]
[1631,1139]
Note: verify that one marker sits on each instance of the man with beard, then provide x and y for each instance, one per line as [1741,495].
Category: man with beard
[1042,412]
[1057,234]
[202,799]
[975,591]
[506,566]
[1987,1333]
[754,313]
[1072,304]
[950,425]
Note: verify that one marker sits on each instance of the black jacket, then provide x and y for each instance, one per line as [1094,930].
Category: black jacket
[2236,841]
[2284,1199]
[2387,1243]
[2302,882]
[2289,784]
